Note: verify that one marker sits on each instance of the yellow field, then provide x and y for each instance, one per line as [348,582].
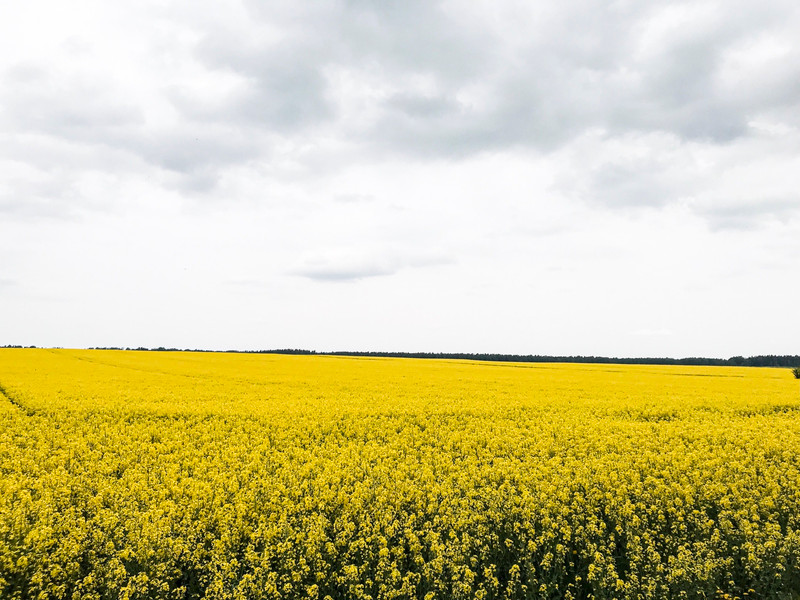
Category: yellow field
[200,475]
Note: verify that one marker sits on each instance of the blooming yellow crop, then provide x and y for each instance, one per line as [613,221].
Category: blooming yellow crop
[201,475]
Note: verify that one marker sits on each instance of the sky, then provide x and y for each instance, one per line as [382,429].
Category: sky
[616,178]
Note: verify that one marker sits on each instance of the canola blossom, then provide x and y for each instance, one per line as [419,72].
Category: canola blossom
[235,476]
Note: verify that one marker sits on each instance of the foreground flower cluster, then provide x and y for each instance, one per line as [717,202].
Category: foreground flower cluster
[187,475]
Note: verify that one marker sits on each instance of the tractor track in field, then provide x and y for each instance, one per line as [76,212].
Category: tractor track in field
[4,393]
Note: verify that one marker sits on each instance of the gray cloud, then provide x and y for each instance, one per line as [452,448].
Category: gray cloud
[584,66]
[631,171]
[750,213]
[345,273]
[349,267]
[318,86]
[437,82]
[284,87]
[419,106]
[189,150]
[34,194]
[74,108]
[354,198]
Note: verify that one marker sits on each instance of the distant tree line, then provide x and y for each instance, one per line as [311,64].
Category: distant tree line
[769,360]
[766,360]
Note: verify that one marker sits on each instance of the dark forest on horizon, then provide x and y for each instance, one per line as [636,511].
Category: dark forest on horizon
[764,360]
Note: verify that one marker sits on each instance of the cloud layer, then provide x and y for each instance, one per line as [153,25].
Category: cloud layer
[311,85]
[501,146]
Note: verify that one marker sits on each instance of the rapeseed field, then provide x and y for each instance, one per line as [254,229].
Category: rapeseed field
[229,476]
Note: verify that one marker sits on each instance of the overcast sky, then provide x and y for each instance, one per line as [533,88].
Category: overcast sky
[581,177]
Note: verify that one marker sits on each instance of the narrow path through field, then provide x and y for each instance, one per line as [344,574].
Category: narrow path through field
[4,394]
[123,366]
